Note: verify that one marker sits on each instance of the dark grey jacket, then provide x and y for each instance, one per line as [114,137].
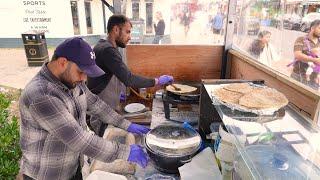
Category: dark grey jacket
[109,59]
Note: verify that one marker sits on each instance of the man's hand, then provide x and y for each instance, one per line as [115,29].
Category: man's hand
[138,129]
[165,79]
[137,155]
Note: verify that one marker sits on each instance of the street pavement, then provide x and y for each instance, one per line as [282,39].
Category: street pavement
[14,70]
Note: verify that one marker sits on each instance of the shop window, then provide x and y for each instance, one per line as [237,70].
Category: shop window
[87,6]
[135,10]
[75,17]
[149,17]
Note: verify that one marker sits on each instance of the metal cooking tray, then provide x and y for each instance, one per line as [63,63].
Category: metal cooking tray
[245,114]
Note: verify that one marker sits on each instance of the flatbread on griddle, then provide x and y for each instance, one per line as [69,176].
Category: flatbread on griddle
[227,96]
[184,89]
[243,88]
[263,98]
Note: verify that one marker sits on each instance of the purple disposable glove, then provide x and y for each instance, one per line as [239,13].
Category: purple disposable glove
[165,79]
[138,129]
[137,155]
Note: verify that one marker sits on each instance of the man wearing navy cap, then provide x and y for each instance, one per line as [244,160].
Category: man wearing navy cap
[53,108]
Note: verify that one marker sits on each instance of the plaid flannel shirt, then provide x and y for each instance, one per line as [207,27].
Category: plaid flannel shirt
[53,132]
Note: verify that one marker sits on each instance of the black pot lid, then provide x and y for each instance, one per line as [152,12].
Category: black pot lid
[173,141]
[275,163]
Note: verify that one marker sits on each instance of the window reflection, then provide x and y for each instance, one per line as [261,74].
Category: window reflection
[135,10]
[75,17]
[183,21]
[274,32]
[87,6]
[149,16]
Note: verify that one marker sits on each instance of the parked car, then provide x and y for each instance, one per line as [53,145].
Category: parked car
[307,19]
[291,21]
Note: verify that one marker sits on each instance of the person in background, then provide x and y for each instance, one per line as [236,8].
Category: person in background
[262,49]
[159,28]
[109,59]
[314,76]
[217,23]
[186,20]
[302,54]
[53,107]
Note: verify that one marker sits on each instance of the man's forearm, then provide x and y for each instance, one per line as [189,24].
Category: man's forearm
[305,58]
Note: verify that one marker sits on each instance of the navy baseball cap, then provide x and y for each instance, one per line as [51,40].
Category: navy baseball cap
[79,51]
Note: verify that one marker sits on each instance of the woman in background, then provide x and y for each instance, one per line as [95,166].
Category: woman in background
[262,49]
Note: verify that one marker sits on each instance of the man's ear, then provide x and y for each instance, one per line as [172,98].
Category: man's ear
[116,29]
[62,61]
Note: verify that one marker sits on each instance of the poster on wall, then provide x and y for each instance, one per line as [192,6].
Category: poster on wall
[37,15]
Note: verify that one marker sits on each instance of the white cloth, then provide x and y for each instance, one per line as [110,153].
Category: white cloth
[269,55]
[203,166]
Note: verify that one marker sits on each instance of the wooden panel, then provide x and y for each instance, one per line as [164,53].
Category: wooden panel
[184,63]
[303,97]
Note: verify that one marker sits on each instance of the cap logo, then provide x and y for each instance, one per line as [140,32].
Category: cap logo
[93,56]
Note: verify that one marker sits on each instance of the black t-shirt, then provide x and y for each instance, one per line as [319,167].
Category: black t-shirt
[109,59]
[159,28]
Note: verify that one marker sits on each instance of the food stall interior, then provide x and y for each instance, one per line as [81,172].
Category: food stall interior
[283,144]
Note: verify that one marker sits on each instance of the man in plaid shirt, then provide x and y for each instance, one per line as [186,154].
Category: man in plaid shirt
[53,109]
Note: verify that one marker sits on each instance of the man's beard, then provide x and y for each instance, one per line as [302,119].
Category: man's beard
[120,43]
[316,35]
[65,78]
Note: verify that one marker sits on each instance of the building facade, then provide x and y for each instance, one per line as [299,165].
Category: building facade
[59,19]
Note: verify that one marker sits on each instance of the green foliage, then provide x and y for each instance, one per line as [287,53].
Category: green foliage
[10,152]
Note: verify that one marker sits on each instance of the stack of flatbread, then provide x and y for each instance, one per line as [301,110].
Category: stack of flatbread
[250,97]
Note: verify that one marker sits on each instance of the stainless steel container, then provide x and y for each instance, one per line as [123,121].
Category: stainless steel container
[172,146]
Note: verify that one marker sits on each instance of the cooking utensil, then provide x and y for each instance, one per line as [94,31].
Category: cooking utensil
[183,89]
[270,111]
[171,146]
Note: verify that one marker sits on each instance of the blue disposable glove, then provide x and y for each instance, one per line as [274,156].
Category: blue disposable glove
[138,129]
[165,79]
[137,155]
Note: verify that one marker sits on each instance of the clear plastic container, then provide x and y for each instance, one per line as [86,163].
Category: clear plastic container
[143,92]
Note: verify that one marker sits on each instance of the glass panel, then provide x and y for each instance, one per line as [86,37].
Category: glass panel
[181,22]
[271,31]
[262,140]
[75,17]
[87,6]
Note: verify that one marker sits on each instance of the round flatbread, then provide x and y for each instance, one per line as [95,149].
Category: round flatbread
[227,96]
[263,98]
[243,88]
[183,89]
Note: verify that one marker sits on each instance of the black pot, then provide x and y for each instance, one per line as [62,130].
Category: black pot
[172,146]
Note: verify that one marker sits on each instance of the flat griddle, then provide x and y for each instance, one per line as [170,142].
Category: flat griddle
[181,97]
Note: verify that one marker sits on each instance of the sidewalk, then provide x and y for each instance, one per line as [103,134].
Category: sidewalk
[14,69]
